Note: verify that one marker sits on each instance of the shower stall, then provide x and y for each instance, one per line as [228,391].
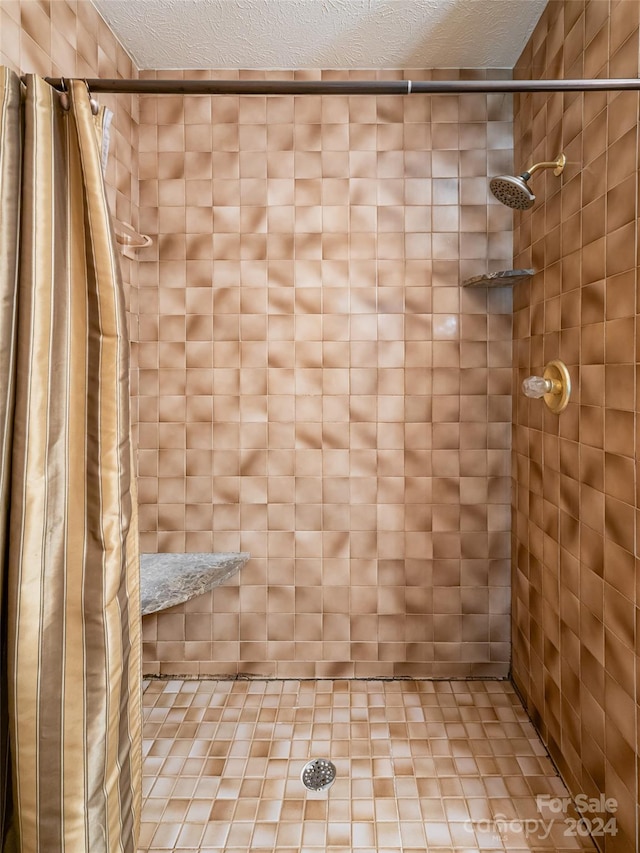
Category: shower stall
[395,393]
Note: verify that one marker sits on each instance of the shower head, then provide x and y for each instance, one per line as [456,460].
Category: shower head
[514,191]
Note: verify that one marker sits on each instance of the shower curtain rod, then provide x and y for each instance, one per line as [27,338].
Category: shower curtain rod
[355,87]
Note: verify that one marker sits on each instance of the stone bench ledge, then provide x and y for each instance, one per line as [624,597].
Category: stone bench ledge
[169,579]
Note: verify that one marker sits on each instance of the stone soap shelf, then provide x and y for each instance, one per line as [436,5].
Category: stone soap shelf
[498,279]
[168,579]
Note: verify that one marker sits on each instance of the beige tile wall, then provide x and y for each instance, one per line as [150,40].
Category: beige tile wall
[575,577]
[69,39]
[316,388]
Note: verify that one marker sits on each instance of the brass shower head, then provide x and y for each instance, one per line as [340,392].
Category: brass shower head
[514,191]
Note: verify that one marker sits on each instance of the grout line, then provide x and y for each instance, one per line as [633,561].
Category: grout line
[248,677]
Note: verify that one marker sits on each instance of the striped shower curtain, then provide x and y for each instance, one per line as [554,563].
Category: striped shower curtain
[69,619]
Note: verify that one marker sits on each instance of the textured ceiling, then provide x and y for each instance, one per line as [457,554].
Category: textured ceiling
[322,33]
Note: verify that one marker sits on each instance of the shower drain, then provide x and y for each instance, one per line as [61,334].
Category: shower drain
[318,775]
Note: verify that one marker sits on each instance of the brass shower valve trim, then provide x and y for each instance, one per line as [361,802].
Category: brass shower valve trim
[554,386]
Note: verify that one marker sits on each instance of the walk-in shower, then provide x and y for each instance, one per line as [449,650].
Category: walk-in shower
[321,399]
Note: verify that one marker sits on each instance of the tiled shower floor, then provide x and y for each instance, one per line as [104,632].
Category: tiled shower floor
[443,766]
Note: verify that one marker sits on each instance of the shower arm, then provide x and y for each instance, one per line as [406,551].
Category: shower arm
[557,166]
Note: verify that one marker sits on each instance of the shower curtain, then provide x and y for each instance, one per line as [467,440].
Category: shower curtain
[70,678]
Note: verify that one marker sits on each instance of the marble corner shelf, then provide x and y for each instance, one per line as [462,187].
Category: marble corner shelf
[168,579]
[503,278]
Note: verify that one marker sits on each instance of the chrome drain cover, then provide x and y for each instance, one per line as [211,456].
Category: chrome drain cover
[318,774]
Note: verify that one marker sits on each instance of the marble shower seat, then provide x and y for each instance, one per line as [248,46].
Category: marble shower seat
[168,579]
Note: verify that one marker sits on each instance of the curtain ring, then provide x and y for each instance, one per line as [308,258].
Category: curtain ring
[95,106]
[64,95]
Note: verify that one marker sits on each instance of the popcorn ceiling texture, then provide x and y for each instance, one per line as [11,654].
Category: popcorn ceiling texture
[297,34]
[317,389]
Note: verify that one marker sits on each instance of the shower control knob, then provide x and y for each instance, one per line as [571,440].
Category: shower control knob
[554,386]
[537,386]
